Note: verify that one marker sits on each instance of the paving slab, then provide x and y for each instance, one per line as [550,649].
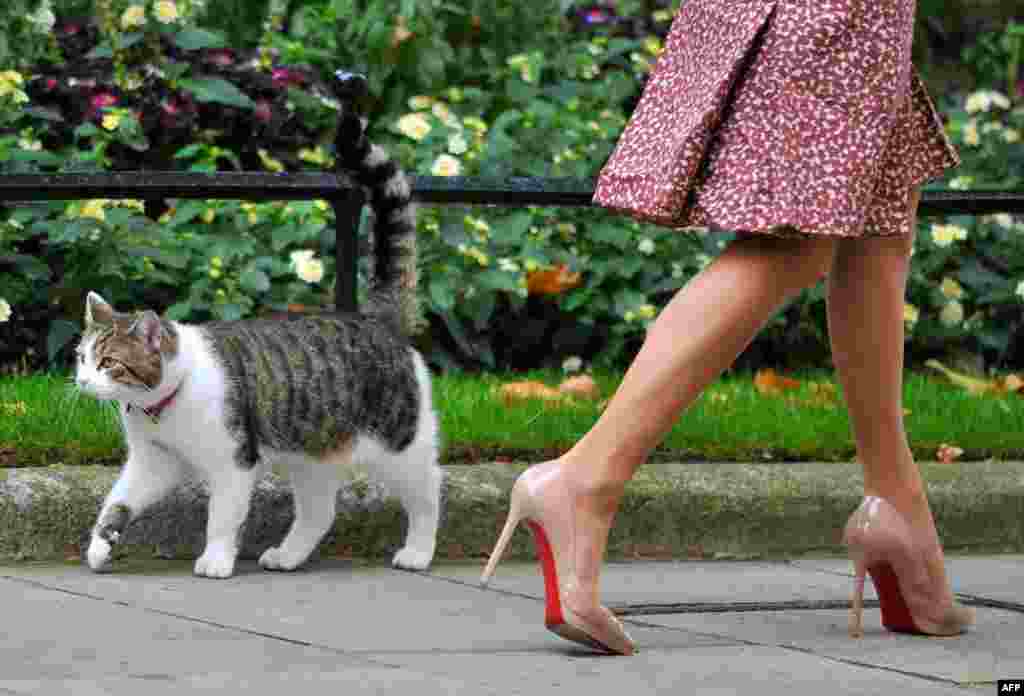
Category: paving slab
[357,610]
[998,578]
[993,650]
[640,584]
[724,670]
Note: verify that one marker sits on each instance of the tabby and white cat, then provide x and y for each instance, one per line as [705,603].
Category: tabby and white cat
[229,400]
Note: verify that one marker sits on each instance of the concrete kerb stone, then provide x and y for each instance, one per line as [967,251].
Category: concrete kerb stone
[681,510]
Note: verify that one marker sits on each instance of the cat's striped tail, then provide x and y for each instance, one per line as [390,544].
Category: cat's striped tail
[393,288]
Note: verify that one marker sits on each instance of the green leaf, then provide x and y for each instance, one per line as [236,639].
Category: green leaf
[228,312]
[442,294]
[178,311]
[193,39]
[33,268]
[218,90]
[60,334]
[101,51]
[254,281]
[512,229]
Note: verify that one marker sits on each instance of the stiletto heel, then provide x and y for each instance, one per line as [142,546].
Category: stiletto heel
[552,526]
[511,522]
[884,547]
[857,601]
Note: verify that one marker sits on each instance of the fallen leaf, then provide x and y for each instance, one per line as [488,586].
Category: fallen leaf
[1013,383]
[769,382]
[974,385]
[552,281]
[518,392]
[948,454]
[582,386]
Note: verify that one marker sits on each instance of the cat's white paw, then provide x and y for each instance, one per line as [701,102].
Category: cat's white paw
[215,563]
[276,558]
[412,559]
[99,555]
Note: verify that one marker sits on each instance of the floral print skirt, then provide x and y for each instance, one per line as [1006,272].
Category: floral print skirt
[781,117]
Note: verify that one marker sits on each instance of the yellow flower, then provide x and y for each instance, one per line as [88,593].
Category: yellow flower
[111,120]
[971,135]
[944,235]
[952,314]
[5,311]
[320,205]
[314,156]
[1011,135]
[420,103]
[269,162]
[307,267]
[208,215]
[475,124]
[133,17]
[446,165]
[415,126]
[653,45]
[910,313]
[951,289]
[166,11]
[94,209]
[647,311]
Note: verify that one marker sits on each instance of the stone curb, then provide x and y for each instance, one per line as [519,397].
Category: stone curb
[670,510]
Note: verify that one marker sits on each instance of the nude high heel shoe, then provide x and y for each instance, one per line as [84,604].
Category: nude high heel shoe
[570,608]
[882,545]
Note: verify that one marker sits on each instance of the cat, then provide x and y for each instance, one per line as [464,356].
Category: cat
[228,401]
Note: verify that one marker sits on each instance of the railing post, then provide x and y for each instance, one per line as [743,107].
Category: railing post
[348,211]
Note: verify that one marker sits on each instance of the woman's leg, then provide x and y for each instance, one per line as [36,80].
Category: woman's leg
[697,336]
[865,313]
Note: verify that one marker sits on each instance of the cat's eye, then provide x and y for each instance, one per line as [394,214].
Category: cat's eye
[106,363]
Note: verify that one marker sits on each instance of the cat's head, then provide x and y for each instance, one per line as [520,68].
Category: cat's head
[122,355]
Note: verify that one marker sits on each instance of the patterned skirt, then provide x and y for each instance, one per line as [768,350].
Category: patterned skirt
[781,116]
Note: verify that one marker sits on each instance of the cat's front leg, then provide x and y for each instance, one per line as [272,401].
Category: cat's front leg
[230,495]
[147,476]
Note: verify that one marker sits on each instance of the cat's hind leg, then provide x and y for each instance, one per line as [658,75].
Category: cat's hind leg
[149,474]
[413,475]
[315,485]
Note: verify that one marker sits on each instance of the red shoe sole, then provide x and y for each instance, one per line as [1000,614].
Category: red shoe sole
[895,613]
[552,601]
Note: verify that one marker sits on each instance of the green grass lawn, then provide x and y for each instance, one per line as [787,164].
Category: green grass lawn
[42,421]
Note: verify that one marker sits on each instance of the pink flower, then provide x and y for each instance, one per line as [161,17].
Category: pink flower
[263,112]
[70,29]
[286,77]
[102,100]
[221,56]
[51,84]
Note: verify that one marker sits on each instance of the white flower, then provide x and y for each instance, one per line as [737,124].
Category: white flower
[166,11]
[457,144]
[415,126]
[944,235]
[1020,289]
[952,314]
[1011,135]
[971,135]
[134,17]
[961,183]
[307,267]
[951,289]
[573,364]
[444,115]
[983,100]
[508,265]
[5,311]
[420,103]
[677,270]
[1004,220]
[446,165]
[646,246]
[43,18]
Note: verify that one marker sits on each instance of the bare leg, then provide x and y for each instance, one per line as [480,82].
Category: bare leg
[696,337]
[865,312]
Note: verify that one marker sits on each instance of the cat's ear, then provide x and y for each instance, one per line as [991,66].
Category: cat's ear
[97,311]
[150,329]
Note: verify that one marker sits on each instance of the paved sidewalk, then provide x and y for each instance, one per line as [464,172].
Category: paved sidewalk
[339,627]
